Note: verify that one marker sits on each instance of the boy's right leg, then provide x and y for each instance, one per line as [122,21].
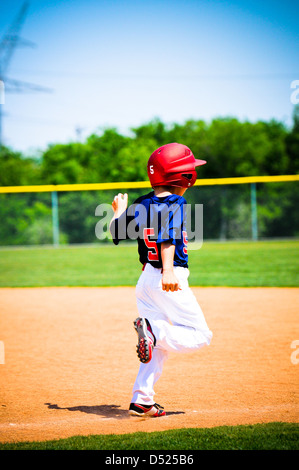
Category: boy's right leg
[146,339]
[176,318]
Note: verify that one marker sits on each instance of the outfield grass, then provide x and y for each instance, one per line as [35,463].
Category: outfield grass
[239,264]
[272,436]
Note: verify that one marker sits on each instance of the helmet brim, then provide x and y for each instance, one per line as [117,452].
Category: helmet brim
[199,162]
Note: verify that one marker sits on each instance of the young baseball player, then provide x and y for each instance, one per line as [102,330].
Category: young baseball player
[170,319]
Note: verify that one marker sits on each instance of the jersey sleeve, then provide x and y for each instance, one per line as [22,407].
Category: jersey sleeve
[125,227]
[118,228]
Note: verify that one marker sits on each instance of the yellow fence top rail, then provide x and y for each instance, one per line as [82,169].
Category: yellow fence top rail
[142,184]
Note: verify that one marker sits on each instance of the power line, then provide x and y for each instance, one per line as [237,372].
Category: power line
[130,76]
[38,121]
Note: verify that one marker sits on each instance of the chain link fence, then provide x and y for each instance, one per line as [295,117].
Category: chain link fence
[254,210]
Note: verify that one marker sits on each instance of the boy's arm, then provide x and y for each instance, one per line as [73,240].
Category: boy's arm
[169,280]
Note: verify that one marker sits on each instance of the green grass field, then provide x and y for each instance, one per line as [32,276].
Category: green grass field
[239,264]
[272,436]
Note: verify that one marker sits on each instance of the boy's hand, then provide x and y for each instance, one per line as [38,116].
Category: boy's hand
[169,281]
[119,204]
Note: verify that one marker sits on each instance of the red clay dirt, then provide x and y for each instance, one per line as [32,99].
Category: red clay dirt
[70,363]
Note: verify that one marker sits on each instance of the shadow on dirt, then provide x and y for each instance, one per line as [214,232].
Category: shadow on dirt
[106,411]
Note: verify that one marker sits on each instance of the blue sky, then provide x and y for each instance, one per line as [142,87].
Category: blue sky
[121,64]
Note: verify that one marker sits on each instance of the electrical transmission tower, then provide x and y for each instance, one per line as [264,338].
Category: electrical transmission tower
[10,41]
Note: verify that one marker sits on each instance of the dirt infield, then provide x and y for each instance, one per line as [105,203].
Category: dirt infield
[70,362]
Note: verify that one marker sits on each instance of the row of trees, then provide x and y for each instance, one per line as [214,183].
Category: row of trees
[231,148]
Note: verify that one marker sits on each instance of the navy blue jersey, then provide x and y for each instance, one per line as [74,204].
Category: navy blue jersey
[152,220]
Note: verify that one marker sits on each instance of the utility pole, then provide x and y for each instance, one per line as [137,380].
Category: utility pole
[79,131]
[10,41]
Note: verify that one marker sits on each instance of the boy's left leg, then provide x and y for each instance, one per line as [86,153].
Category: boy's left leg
[148,374]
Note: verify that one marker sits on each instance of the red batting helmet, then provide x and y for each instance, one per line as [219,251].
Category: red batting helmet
[173,165]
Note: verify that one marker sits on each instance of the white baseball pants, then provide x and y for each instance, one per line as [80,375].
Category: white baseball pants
[177,322]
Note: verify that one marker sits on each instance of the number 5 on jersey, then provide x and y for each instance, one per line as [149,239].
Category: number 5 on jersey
[151,245]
